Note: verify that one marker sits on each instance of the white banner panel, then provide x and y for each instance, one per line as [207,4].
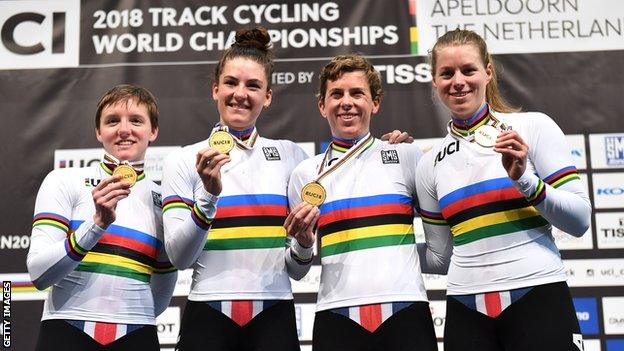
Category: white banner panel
[40,34]
[525,26]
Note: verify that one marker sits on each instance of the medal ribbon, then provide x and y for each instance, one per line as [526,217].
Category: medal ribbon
[112,162]
[358,148]
[247,144]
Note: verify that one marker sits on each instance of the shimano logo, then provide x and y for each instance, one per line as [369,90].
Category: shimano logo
[614,150]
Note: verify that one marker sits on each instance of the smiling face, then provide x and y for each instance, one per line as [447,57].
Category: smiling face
[348,105]
[461,78]
[241,93]
[125,130]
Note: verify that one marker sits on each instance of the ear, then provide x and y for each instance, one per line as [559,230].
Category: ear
[376,105]
[98,135]
[488,72]
[321,107]
[154,134]
[269,98]
[215,90]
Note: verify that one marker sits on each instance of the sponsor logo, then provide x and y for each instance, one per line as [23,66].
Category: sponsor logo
[77,163]
[587,315]
[614,150]
[37,34]
[271,153]
[608,190]
[389,156]
[157,199]
[448,150]
[613,314]
[610,230]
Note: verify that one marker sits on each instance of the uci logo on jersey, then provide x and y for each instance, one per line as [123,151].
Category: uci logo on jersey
[448,150]
[39,34]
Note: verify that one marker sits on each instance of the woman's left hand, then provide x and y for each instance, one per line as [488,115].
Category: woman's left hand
[514,151]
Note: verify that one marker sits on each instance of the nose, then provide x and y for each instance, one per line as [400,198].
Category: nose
[346,102]
[458,80]
[239,92]
[124,127]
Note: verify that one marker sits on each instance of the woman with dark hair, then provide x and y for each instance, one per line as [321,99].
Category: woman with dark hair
[494,188]
[241,297]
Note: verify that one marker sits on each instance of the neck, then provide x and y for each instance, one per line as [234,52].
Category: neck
[477,118]
[346,143]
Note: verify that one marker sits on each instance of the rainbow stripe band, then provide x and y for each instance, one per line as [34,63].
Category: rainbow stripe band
[365,223]
[248,222]
[562,176]
[124,252]
[199,218]
[538,195]
[73,250]
[51,219]
[432,218]
[172,202]
[486,209]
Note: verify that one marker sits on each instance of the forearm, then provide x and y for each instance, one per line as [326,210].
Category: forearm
[49,260]
[298,259]
[186,228]
[568,210]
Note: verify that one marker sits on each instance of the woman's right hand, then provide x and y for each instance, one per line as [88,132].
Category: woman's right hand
[106,195]
[208,164]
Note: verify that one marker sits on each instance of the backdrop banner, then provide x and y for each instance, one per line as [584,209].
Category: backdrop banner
[560,57]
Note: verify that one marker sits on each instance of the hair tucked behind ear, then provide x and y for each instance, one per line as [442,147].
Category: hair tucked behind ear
[251,43]
[460,37]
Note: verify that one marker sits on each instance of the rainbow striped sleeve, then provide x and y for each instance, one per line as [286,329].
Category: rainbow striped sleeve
[197,215]
[51,219]
[73,250]
[248,222]
[365,222]
[562,176]
[123,252]
[486,209]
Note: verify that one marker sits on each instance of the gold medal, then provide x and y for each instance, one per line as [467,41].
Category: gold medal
[313,193]
[221,141]
[486,135]
[127,173]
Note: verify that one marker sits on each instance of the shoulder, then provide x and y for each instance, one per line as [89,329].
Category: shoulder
[525,119]
[290,148]
[308,166]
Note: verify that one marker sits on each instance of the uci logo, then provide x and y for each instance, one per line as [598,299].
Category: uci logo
[37,34]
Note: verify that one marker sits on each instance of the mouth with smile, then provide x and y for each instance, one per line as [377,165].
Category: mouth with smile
[460,94]
[238,106]
[347,116]
[125,143]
